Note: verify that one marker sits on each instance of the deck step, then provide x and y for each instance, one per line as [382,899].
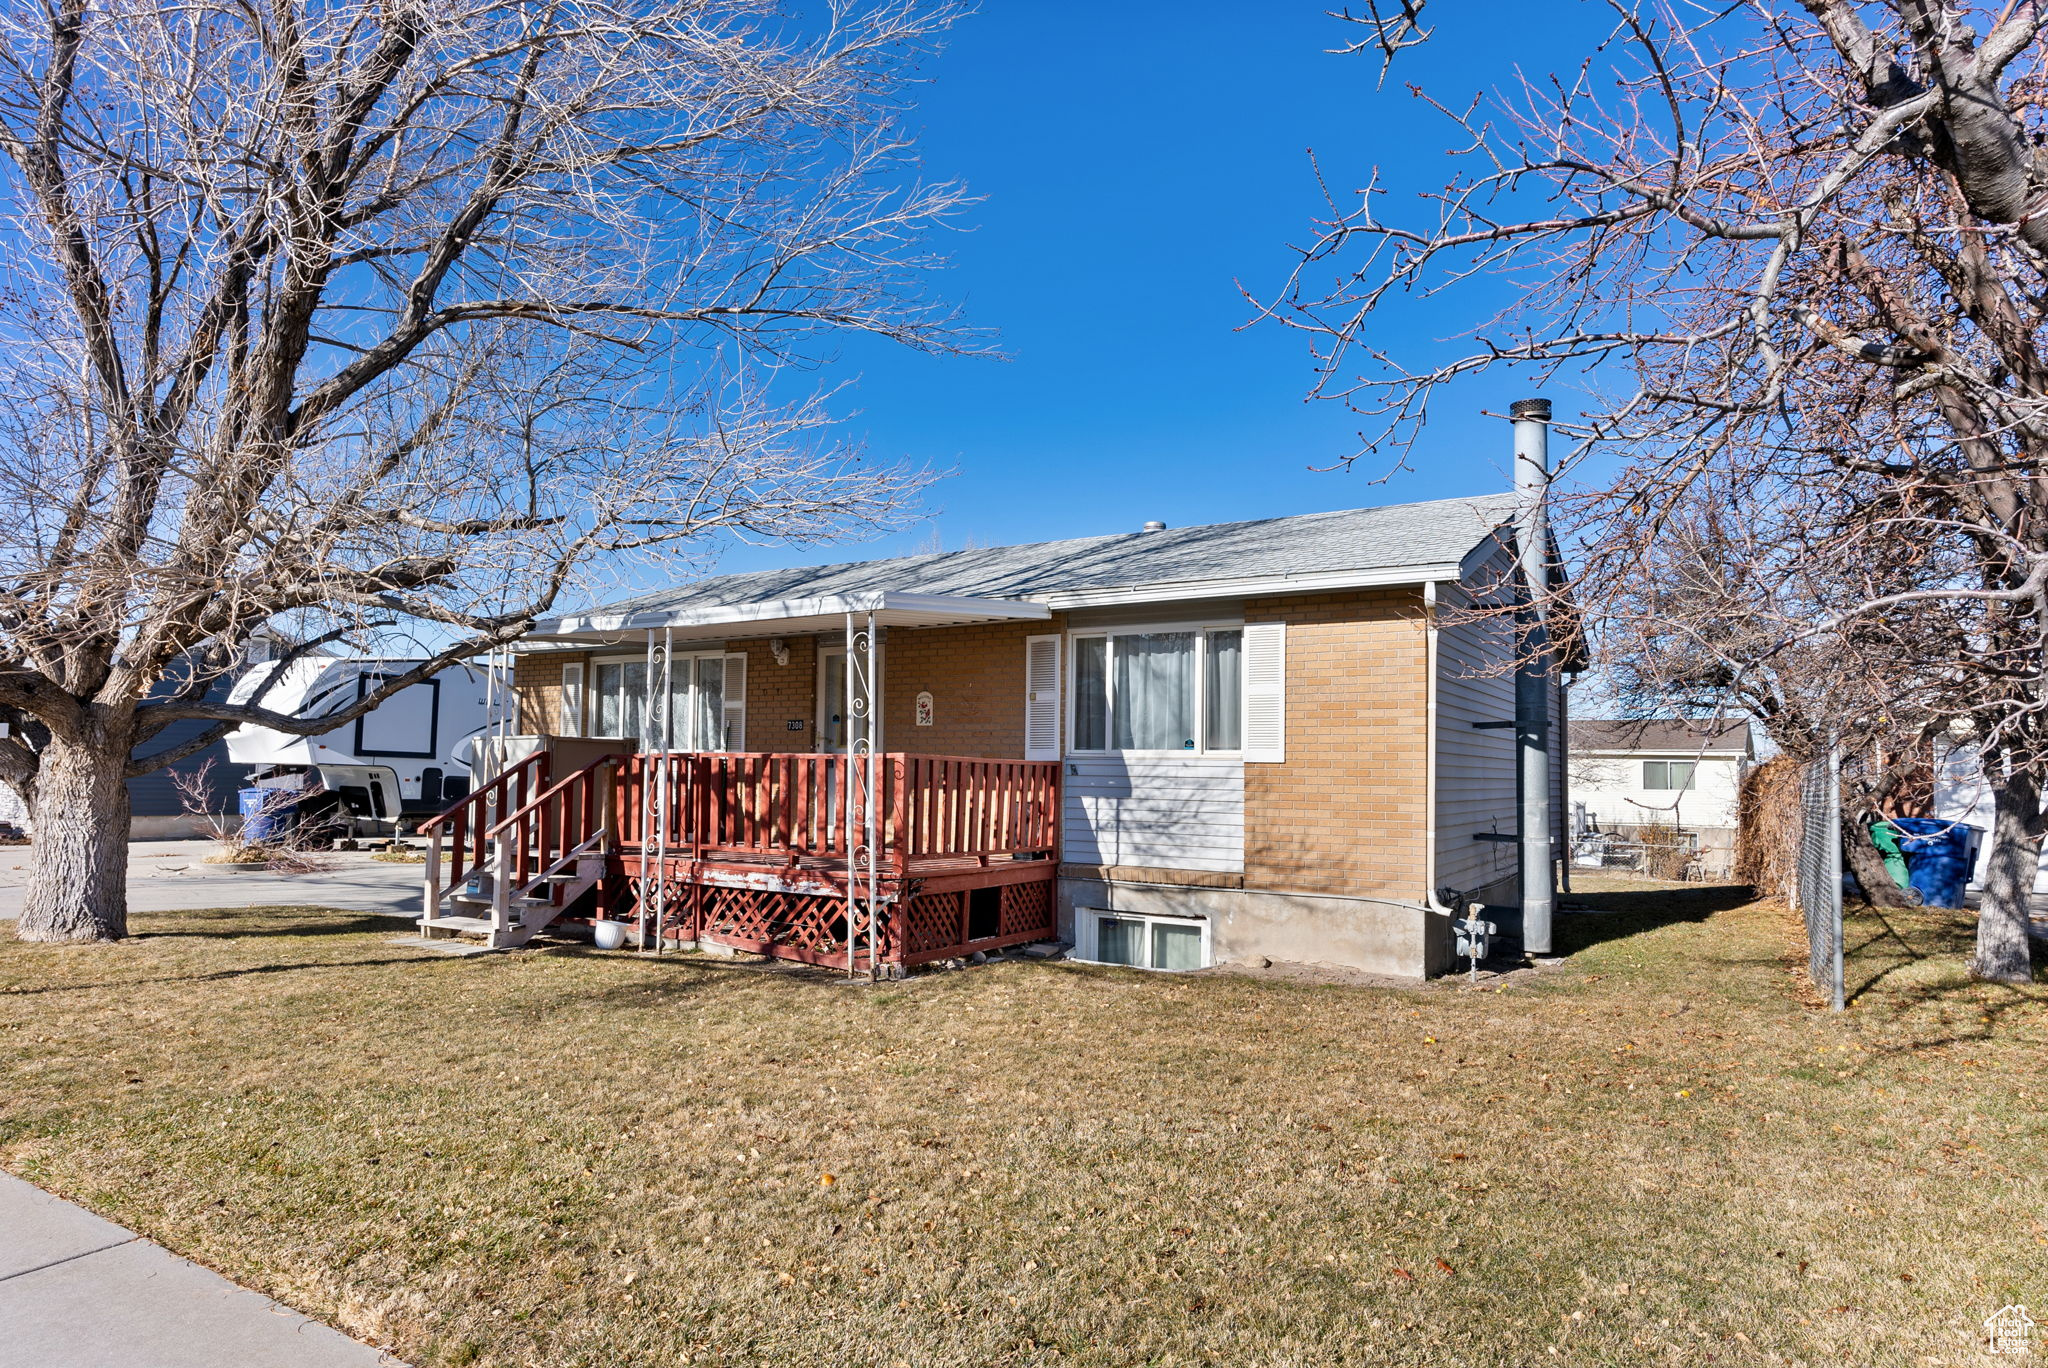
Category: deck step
[466,925]
[484,900]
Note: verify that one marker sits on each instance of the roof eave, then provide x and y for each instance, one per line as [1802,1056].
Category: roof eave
[889,602]
[1247,586]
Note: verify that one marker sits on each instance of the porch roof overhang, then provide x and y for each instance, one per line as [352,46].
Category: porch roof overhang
[778,617]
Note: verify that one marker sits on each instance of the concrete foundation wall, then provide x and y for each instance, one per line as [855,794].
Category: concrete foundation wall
[1381,937]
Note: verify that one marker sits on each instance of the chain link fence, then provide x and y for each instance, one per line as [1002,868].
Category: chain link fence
[1820,871]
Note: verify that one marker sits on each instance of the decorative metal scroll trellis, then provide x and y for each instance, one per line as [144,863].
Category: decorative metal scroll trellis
[863,745]
[1820,871]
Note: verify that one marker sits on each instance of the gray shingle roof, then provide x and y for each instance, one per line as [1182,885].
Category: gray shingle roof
[1366,540]
[1660,734]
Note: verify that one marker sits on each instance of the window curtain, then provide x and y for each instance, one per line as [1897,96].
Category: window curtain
[1175,946]
[1120,940]
[1155,691]
[707,728]
[1225,689]
[1091,694]
[622,699]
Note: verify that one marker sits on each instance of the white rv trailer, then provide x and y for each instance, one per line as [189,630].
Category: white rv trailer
[404,760]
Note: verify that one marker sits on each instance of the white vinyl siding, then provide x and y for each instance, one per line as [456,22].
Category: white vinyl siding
[1475,767]
[1160,810]
[1609,785]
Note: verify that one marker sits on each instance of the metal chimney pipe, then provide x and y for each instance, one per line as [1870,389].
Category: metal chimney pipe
[1533,672]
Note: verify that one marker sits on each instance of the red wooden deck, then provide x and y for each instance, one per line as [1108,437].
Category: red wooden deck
[750,850]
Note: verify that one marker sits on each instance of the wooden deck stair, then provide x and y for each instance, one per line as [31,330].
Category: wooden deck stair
[518,874]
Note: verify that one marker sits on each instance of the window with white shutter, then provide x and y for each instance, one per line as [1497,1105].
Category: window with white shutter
[1265,691]
[735,738]
[571,723]
[1042,698]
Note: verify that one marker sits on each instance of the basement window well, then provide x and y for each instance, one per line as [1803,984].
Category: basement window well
[1169,943]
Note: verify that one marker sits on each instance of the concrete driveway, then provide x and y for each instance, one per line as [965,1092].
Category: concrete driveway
[171,876]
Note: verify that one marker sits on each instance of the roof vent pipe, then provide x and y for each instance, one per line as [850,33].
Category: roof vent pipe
[1154,527]
[1533,679]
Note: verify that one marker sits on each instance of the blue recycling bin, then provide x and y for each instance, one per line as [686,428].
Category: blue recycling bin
[263,815]
[1940,857]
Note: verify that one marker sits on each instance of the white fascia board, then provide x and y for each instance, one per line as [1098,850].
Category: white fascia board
[964,605]
[878,601]
[1500,539]
[1246,587]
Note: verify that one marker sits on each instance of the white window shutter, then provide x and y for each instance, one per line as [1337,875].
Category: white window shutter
[735,738]
[1042,698]
[571,719]
[1265,691]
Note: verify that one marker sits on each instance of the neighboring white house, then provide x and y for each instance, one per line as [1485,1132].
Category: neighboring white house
[1663,771]
[1961,795]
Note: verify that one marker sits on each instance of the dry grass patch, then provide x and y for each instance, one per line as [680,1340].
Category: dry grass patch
[1655,1154]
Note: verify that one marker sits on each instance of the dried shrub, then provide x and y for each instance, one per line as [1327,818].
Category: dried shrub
[1667,854]
[287,853]
[1767,829]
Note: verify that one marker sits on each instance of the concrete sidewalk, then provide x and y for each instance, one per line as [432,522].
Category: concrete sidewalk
[172,876]
[80,1292]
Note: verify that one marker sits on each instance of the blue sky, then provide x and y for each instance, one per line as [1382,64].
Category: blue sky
[1138,159]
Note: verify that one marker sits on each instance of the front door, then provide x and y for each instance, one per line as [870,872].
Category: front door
[832,721]
[832,699]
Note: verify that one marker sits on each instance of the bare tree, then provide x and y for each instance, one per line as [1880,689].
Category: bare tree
[1718,615]
[1800,246]
[403,316]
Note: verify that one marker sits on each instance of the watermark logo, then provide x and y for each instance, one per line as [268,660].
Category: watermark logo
[2010,1330]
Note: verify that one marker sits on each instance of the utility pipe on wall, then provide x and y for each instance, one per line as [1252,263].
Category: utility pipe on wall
[1533,671]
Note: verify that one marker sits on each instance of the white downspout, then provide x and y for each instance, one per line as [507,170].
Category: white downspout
[1431,701]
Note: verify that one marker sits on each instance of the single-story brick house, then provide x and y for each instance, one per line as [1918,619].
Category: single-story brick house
[1173,748]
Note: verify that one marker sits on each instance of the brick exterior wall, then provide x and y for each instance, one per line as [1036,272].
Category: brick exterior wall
[975,676]
[537,683]
[778,695]
[1347,811]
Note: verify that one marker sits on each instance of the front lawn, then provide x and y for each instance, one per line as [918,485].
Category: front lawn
[1656,1153]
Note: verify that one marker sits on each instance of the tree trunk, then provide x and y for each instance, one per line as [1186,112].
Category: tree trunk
[78,875]
[2003,955]
[1866,862]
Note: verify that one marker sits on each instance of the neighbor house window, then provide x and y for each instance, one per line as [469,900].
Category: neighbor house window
[1667,774]
[1174,943]
[1159,691]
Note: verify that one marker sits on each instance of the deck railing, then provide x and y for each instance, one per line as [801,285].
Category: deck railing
[465,826]
[567,816]
[792,807]
[787,809]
